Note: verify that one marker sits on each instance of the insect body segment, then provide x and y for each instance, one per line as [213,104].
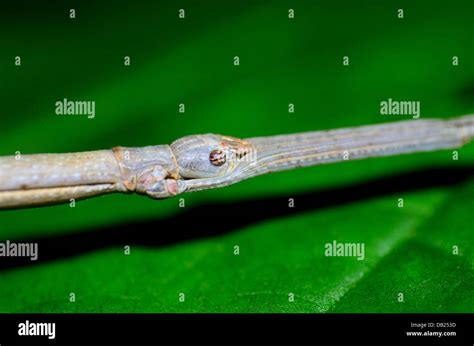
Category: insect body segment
[208,156]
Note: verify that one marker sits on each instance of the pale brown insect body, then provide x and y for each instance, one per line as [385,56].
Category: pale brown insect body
[207,161]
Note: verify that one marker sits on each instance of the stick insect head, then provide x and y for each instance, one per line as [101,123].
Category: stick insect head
[209,156]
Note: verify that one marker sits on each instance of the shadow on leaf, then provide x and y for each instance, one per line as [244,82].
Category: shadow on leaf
[215,219]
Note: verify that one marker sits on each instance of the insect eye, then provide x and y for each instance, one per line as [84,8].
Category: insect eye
[217,157]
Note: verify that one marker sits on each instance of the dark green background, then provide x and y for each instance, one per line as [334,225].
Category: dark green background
[283,61]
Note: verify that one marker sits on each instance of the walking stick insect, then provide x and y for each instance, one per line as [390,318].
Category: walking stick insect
[208,161]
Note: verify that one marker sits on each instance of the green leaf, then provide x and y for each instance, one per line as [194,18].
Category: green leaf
[408,250]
